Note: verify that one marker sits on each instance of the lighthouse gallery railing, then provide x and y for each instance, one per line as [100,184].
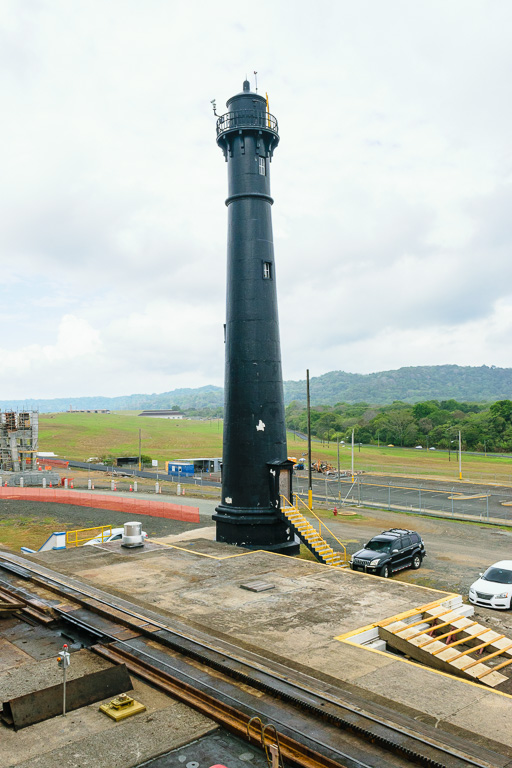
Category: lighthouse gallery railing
[246,118]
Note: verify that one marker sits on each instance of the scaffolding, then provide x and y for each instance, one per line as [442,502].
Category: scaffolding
[18,440]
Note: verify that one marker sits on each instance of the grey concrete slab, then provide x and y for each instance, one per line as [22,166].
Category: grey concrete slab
[199,582]
[421,688]
[32,675]
[87,737]
[491,715]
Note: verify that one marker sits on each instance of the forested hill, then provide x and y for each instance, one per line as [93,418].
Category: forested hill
[411,385]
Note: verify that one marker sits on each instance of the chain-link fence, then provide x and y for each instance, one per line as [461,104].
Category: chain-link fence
[459,502]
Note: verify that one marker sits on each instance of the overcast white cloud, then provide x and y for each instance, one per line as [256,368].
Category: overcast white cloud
[392,182]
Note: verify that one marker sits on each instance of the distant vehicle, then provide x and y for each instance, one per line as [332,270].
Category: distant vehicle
[432,449]
[419,446]
[115,535]
[390,551]
[494,587]
[391,445]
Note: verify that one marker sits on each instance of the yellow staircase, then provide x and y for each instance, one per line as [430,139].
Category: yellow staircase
[446,640]
[309,535]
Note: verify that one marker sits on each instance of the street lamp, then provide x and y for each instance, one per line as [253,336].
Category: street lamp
[352,455]
[460,456]
[460,453]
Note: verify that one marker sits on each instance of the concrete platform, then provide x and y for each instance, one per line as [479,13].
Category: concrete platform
[306,619]
[85,736]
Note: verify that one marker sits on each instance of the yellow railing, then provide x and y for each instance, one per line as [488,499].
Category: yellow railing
[98,532]
[286,503]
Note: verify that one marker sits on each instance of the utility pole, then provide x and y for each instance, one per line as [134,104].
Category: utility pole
[339,478]
[352,455]
[310,481]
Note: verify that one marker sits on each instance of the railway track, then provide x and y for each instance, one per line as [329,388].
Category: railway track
[319,725]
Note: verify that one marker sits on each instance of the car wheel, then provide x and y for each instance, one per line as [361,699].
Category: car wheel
[416,561]
[384,571]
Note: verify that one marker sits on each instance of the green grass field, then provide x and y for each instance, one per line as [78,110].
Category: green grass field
[82,435]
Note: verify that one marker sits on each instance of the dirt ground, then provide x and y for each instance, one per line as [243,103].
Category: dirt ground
[456,552]
[40,519]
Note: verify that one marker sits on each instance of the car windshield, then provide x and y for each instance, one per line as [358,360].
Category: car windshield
[379,545]
[498,575]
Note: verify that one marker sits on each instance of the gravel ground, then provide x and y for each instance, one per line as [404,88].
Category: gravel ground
[68,517]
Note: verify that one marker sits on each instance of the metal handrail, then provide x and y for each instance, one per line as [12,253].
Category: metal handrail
[296,506]
[73,540]
[246,118]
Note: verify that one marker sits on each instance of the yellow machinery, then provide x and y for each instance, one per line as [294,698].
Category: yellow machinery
[122,706]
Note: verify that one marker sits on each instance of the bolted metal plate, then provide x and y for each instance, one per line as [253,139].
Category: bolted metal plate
[219,747]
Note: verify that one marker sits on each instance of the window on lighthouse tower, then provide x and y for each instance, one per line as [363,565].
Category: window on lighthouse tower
[263,166]
[267,270]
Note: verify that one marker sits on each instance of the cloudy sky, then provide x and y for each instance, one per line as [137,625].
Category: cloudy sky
[392,186]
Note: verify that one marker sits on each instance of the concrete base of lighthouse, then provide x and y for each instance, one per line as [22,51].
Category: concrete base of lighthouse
[255,529]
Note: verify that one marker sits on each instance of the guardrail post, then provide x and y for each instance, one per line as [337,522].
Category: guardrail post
[135,486]
[89,484]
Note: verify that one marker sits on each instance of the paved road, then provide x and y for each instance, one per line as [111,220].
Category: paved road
[451,498]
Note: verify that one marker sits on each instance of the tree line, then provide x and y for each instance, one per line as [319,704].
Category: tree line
[432,423]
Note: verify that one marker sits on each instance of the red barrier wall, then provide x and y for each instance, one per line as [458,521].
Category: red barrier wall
[131,506]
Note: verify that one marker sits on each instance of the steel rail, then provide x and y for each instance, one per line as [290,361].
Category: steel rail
[58,585]
[227,715]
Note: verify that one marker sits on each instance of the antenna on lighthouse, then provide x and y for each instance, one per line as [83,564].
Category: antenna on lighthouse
[256,80]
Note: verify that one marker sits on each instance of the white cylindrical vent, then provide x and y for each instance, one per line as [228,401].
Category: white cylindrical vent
[132,536]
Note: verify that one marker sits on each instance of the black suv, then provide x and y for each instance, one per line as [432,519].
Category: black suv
[390,551]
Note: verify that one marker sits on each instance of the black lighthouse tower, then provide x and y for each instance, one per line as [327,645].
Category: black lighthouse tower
[256,474]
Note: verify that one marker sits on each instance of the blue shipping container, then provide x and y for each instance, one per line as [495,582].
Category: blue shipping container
[180,469]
